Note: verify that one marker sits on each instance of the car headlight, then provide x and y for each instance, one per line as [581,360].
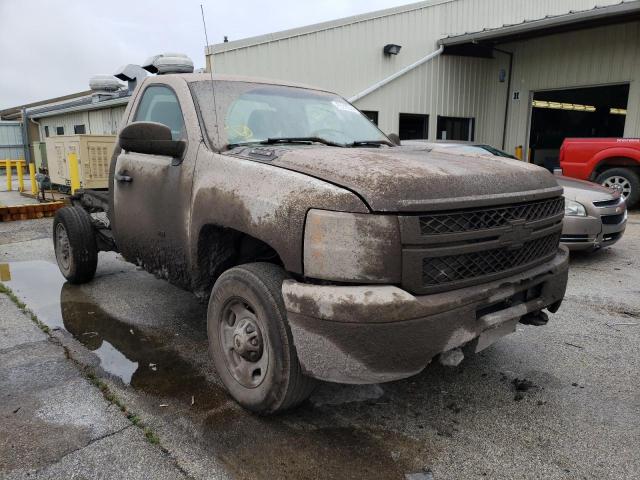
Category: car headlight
[574,209]
[352,247]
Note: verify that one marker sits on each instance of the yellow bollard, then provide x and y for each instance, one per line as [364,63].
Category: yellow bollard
[519,152]
[7,167]
[19,166]
[74,174]
[32,177]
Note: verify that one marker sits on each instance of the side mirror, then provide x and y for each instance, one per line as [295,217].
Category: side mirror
[152,138]
[395,139]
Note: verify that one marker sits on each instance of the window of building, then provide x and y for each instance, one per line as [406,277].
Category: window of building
[79,129]
[160,104]
[59,130]
[413,126]
[46,130]
[456,128]
[371,115]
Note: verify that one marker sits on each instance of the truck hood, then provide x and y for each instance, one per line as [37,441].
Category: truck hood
[415,179]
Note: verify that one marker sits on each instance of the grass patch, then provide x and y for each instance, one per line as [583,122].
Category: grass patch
[112,398]
[151,436]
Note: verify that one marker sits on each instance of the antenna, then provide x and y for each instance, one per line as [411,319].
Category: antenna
[213,93]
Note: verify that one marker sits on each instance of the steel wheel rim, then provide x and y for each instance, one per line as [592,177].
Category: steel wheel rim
[63,248]
[244,344]
[616,182]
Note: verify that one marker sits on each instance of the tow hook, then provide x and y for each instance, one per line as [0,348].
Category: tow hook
[537,319]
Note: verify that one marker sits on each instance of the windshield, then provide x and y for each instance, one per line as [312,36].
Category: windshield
[253,113]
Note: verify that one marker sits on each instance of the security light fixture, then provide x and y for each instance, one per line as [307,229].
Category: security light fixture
[392,49]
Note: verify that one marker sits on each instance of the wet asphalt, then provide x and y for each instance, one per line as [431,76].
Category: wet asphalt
[552,402]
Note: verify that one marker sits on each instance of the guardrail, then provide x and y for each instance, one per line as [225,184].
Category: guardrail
[20,165]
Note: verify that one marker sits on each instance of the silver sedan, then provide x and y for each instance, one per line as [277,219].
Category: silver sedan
[594,216]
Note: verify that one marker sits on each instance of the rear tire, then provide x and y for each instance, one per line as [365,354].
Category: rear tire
[250,340]
[75,244]
[626,178]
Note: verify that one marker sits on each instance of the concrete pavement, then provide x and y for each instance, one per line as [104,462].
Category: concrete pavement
[553,402]
[54,423]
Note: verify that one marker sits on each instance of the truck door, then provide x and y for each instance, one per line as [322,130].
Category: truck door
[152,192]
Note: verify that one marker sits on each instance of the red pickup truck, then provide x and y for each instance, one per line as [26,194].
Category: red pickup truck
[612,162]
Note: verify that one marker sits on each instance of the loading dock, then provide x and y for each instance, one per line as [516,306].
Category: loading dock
[596,111]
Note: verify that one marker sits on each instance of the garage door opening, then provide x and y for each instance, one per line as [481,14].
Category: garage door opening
[576,112]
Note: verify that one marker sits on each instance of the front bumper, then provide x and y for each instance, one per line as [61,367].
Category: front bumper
[370,334]
[590,233]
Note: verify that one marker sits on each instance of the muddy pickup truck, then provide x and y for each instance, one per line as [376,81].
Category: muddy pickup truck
[326,251]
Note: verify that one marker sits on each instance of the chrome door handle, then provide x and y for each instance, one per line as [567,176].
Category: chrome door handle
[123,178]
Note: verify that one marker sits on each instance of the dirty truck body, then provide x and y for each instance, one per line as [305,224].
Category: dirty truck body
[383,256]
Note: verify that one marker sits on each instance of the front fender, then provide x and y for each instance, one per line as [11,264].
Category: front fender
[267,202]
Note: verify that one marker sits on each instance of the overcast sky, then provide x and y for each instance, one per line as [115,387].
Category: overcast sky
[50,48]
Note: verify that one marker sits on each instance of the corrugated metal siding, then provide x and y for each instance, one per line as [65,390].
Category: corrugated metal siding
[10,138]
[348,58]
[104,121]
[597,56]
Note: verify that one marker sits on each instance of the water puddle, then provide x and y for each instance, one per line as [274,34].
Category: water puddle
[311,442]
[137,358]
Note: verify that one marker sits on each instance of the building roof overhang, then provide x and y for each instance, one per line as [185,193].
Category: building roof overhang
[481,43]
[79,105]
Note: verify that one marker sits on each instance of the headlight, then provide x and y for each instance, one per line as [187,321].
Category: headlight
[574,209]
[352,247]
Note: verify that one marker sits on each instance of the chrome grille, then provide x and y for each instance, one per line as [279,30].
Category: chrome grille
[443,270]
[487,218]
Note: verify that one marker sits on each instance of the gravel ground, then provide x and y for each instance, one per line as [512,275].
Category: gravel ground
[553,402]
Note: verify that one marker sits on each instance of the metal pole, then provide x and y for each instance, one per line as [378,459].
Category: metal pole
[32,177]
[25,136]
[19,166]
[506,107]
[74,174]
[7,166]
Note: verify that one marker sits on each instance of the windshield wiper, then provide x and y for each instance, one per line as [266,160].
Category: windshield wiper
[271,141]
[364,143]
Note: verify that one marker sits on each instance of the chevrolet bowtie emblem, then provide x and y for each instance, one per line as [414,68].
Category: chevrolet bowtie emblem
[516,236]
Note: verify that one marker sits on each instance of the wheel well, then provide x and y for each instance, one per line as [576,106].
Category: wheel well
[611,162]
[222,248]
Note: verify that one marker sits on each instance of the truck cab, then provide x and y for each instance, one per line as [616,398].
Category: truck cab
[325,251]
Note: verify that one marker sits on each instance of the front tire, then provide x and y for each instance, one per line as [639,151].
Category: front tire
[625,179]
[250,340]
[75,244]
